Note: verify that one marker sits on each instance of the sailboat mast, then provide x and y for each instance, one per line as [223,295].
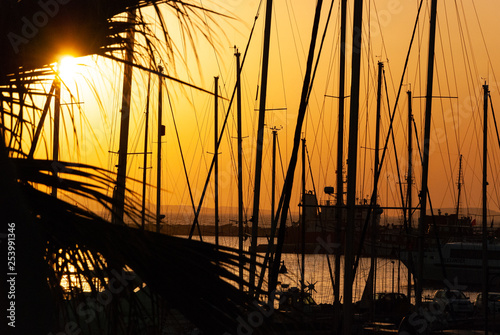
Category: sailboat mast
[459,185]
[145,161]
[409,180]
[340,158]
[240,166]
[273,174]
[260,140]
[373,259]
[485,208]
[303,221]
[161,132]
[57,117]
[352,164]
[216,163]
[119,192]
[425,160]
[287,187]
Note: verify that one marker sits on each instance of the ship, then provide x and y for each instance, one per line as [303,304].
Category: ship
[320,219]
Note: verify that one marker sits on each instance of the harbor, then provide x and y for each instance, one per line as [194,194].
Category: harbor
[249,167]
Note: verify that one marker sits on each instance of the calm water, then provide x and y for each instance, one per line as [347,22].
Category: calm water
[391,275]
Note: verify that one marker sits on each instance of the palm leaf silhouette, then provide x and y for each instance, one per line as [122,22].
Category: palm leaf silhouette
[61,246]
[171,267]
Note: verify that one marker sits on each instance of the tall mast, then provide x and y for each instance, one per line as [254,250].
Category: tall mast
[485,208]
[340,157]
[373,260]
[273,194]
[409,180]
[284,204]
[240,166]
[216,164]
[303,221]
[161,132]
[352,164]
[459,185]
[273,174]
[260,140]
[119,192]
[145,162]
[425,160]
[57,117]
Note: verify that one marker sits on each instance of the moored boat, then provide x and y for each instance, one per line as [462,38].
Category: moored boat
[461,261]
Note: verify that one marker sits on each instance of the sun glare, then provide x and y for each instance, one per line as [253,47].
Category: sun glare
[68,68]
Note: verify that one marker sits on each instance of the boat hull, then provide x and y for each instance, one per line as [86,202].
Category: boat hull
[462,264]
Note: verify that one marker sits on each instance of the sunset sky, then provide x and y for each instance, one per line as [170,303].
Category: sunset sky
[467,56]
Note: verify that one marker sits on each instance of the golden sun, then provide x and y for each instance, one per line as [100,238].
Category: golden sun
[68,68]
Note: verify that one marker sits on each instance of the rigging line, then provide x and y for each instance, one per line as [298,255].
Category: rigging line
[280,58]
[200,141]
[470,41]
[327,129]
[261,55]
[469,69]
[310,116]
[455,126]
[320,48]
[290,16]
[183,160]
[485,45]
[271,258]
[494,119]
[496,129]
[372,200]
[387,60]
[209,31]
[284,202]
[333,51]
[283,172]
[400,183]
[141,67]
[195,221]
[464,49]
[231,148]
[447,81]
[400,87]
[317,210]
[438,143]
[472,129]
[317,61]
[248,158]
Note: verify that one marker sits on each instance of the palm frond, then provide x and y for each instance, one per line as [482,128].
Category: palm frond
[199,279]
[62,239]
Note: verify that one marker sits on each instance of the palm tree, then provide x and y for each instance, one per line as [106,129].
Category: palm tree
[75,272]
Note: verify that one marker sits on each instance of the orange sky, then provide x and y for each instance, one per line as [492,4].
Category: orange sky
[462,66]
